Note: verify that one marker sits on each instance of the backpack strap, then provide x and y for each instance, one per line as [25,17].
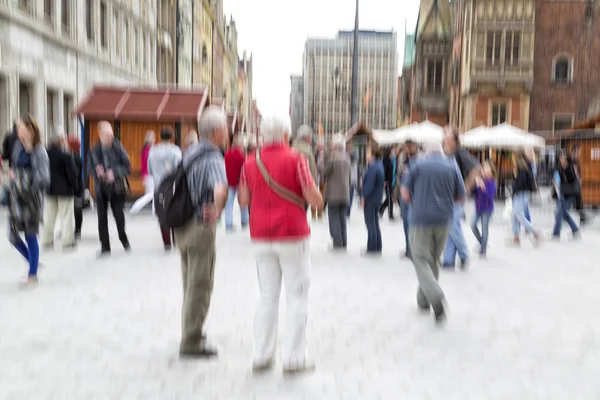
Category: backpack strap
[283,192]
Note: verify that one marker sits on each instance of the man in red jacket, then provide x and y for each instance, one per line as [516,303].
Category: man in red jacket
[234,161]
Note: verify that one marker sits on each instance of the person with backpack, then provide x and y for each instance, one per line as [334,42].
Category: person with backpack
[567,188]
[109,165]
[200,186]
[163,158]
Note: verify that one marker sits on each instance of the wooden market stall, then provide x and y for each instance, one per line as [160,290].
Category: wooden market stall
[362,139]
[133,112]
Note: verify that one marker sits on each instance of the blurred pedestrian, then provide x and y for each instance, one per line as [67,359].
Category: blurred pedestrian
[29,179]
[109,166]
[567,188]
[337,191]
[484,195]
[75,148]
[162,160]
[276,183]
[234,161]
[372,193]
[523,185]
[60,198]
[147,180]
[389,168]
[432,188]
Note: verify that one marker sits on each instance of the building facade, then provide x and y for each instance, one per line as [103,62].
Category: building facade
[567,53]
[53,52]
[430,86]
[497,63]
[166,63]
[297,102]
[230,72]
[246,109]
[203,27]
[404,96]
[218,47]
[327,72]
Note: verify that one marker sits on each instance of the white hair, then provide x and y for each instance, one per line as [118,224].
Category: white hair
[275,129]
[304,131]
[432,147]
[212,118]
[150,136]
[192,137]
[338,141]
[57,137]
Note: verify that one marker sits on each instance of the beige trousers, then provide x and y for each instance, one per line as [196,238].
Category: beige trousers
[196,243]
[62,208]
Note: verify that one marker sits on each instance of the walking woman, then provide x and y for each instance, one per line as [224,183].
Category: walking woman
[522,188]
[484,194]
[567,189]
[148,196]
[75,147]
[30,177]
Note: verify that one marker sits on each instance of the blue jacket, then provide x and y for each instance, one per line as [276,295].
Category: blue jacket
[372,185]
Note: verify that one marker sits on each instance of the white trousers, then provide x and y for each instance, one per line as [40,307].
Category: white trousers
[146,198]
[274,260]
[62,208]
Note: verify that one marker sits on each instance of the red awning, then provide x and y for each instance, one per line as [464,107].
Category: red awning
[143,104]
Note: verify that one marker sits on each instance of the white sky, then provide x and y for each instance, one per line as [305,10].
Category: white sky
[275,32]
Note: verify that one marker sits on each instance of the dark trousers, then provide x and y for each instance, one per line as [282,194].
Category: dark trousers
[373,232]
[349,209]
[404,210]
[167,236]
[388,202]
[117,203]
[337,224]
[78,219]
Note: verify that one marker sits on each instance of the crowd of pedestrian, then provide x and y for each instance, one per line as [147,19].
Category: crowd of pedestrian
[275,185]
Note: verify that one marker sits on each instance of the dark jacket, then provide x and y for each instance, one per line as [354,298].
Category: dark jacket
[63,172]
[523,181]
[466,162]
[7,146]
[372,186]
[388,169]
[113,158]
[79,186]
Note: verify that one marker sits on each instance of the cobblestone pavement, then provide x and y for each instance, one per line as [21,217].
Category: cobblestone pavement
[523,324]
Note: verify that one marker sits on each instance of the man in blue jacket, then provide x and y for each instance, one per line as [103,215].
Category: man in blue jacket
[372,193]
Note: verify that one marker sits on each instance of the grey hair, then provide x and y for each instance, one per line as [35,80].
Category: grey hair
[304,131]
[57,137]
[150,135]
[275,129]
[212,118]
[432,147]
[338,141]
[192,137]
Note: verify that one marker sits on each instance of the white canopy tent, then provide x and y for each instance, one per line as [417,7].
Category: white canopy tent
[424,132]
[503,136]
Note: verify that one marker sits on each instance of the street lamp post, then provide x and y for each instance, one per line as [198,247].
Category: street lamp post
[354,95]
[314,77]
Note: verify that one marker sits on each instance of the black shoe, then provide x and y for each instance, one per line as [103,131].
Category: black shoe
[127,247]
[104,253]
[203,352]
[439,313]
[168,247]
[424,309]
[77,236]
[464,264]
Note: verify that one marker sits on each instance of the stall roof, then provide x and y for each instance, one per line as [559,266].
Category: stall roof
[358,128]
[143,104]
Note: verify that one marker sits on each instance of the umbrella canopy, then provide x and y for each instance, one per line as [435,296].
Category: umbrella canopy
[503,136]
[384,138]
[424,133]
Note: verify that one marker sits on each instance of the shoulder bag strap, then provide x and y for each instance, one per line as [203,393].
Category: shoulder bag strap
[284,193]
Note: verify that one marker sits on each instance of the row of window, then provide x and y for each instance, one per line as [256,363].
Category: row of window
[494,46]
[500,114]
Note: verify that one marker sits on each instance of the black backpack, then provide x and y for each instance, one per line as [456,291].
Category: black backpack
[173,202]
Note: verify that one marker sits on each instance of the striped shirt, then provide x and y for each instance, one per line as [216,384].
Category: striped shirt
[207,171]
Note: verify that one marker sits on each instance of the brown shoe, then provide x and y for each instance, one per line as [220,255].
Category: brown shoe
[260,367]
[305,367]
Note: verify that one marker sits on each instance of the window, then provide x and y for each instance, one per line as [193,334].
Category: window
[26,4]
[115,32]
[67,110]
[126,40]
[49,10]
[562,122]
[435,74]
[134,47]
[513,48]
[25,98]
[103,23]
[562,70]
[499,113]
[493,47]
[51,98]
[89,19]
[66,15]
[145,50]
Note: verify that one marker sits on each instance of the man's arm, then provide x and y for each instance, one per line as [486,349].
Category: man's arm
[407,185]
[243,191]
[471,168]
[124,169]
[217,179]
[460,192]
[310,190]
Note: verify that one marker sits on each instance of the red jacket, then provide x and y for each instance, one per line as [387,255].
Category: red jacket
[144,160]
[234,161]
[273,218]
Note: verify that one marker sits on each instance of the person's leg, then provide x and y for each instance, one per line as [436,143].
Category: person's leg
[343,224]
[475,228]
[378,242]
[245,216]
[295,265]
[78,214]
[21,247]
[449,255]
[229,208]
[558,217]
[485,230]
[351,200]
[423,258]
[67,220]
[527,214]
[520,214]
[452,245]
[390,192]
[50,214]
[34,254]
[200,243]
[518,210]
[322,190]
[371,234]
[458,236]
[335,229]
[117,203]
[266,316]
[102,210]
[567,216]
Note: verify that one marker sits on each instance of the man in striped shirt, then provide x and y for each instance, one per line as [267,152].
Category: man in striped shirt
[207,183]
